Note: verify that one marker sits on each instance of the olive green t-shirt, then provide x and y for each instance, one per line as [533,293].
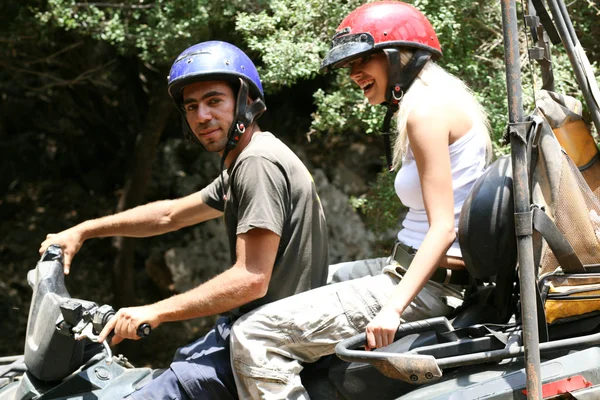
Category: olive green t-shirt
[269,187]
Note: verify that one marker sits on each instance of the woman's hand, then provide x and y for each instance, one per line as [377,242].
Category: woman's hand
[381,331]
[69,240]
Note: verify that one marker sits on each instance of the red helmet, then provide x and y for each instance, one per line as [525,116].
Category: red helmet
[381,25]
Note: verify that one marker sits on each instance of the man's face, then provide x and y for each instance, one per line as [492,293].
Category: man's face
[209,108]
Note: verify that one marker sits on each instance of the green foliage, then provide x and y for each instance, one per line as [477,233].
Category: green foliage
[471,38]
[291,37]
[345,109]
[153,31]
[380,205]
[288,39]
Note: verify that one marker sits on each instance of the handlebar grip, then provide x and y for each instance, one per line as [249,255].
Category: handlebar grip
[53,253]
[408,367]
[436,324]
[144,330]
[106,313]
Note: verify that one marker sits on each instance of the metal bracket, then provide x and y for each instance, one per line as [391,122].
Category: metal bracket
[524,223]
[517,129]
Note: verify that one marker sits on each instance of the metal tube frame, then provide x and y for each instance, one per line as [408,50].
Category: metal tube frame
[346,350]
[569,39]
[518,142]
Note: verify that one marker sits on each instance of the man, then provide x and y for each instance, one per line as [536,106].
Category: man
[274,220]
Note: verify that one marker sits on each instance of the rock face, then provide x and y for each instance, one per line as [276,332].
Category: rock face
[349,239]
[198,253]
[204,256]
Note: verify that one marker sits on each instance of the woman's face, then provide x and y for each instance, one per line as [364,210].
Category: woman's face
[370,73]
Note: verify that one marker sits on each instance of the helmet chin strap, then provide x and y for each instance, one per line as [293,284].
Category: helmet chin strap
[245,115]
[399,81]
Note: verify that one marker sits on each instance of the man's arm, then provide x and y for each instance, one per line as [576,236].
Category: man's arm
[247,280]
[142,221]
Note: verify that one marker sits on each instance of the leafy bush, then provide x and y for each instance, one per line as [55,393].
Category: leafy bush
[288,39]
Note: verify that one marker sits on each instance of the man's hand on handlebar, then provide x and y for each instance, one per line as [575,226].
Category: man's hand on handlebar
[69,240]
[126,322]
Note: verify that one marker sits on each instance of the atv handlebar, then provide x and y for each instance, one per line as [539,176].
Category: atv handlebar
[57,323]
[98,316]
[53,252]
[144,330]
[412,368]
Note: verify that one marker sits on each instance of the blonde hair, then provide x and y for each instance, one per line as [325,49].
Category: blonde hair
[433,80]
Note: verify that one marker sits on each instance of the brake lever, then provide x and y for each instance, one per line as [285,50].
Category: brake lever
[87,332]
[101,315]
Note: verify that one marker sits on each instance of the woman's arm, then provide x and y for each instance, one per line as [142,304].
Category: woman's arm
[429,133]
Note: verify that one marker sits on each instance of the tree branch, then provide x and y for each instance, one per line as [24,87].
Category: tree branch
[29,71]
[18,39]
[486,26]
[51,56]
[116,5]
[81,77]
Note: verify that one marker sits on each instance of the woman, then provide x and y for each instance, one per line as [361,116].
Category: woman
[442,146]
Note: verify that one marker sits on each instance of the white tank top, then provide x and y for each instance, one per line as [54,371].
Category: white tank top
[467,163]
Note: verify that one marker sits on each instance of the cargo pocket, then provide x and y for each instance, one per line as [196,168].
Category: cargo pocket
[262,374]
[363,299]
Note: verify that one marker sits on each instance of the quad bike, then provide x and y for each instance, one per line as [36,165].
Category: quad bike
[517,335]
[62,358]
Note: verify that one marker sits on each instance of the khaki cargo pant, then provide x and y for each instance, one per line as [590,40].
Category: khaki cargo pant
[269,344]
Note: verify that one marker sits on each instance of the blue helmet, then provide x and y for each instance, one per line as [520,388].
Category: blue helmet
[219,61]
[213,60]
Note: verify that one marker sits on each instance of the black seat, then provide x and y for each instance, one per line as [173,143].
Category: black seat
[486,233]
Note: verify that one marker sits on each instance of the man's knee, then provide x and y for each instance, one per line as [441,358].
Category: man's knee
[257,329]
[249,345]
[164,387]
[238,337]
